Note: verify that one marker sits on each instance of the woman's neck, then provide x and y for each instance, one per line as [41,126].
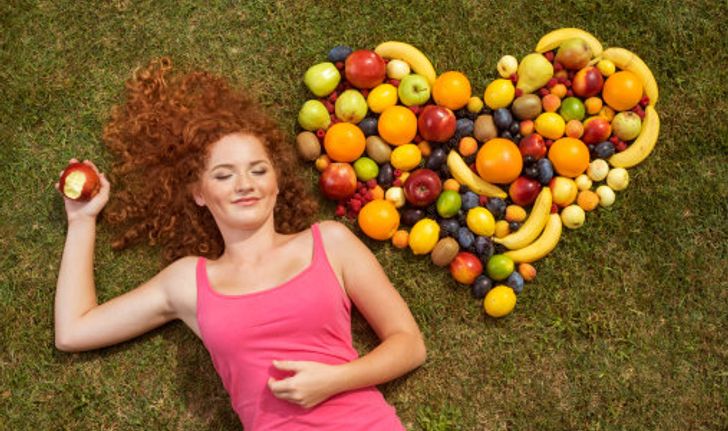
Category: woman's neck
[245,247]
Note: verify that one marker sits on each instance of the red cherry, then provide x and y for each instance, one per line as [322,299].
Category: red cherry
[549,55]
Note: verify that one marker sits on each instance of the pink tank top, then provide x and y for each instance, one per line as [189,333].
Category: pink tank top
[307,318]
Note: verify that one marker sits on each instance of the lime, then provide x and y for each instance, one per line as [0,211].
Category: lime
[572,108]
[382,97]
[406,157]
[499,93]
[500,266]
[366,168]
[499,301]
[424,236]
[448,203]
[480,221]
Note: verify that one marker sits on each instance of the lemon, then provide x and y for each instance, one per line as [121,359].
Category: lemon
[480,221]
[406,157]
[500,301]
[550,125]
[424,235]
[499,93]
[382,97]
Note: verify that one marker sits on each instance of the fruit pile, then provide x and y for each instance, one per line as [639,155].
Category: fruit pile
[482,185]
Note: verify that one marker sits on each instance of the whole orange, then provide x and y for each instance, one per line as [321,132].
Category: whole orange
[452,90]
[499,161]
[344,142]
[397,125]
[379,219]
[570,157]
[622,91]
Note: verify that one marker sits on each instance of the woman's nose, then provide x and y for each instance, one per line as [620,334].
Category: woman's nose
[242,183]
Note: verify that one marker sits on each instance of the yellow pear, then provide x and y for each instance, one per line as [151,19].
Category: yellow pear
[534,72]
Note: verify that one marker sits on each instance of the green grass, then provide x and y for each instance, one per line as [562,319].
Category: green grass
[624,328]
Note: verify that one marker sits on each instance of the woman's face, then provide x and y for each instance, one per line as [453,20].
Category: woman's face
[238,184]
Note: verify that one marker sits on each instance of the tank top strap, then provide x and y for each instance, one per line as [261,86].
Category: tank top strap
[319,254]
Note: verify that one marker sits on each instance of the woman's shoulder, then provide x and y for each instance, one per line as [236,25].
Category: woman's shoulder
[333,231]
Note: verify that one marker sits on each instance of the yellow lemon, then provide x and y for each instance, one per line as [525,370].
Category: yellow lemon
[480,221]
[382,97]
[550,125]
[406,157]
[424,235]
[499,93]
[500,301]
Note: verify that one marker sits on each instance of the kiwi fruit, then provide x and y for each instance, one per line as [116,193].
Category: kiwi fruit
[445,251]
[526,107]
[308,146]
[485,129]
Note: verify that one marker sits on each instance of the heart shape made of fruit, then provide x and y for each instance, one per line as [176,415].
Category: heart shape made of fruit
[482,185]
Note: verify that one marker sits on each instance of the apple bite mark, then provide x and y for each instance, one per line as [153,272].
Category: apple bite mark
[79,182]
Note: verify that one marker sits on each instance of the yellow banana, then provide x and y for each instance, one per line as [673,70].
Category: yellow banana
[533,226]
[542,246]
[628,60]
[643,145]
[554,39]
[419,63]
[464,175]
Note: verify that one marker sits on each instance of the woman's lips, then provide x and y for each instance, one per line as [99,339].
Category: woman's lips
[246,201]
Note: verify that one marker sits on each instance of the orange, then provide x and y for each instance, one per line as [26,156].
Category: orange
[499,161]
[397,125]
[344,142]
[379,219]
[451,90]
[570,157]
[622,91]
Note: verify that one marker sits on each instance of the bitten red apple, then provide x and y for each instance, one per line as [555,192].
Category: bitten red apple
[466,267]
[436,123]
[79,182]
[338,181]
[422,187]
[523,191]
[365,69]
[596,130]
[587,82]
[533,145]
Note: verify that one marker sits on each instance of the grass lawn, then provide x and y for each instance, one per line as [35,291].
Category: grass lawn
[624,328]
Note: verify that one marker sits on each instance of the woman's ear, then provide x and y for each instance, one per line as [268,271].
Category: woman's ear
[196,194]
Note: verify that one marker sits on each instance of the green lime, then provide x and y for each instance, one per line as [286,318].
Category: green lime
[448,203]
[366,169]
[500,266]
[499,301]
[572,108]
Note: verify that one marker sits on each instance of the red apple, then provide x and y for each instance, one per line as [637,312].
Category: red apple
[533,145]
[596,130]
[365,69]
[79,182]
[524,190]
[436,123]
[338,181]
[587,82]
[466,267]
[422,187]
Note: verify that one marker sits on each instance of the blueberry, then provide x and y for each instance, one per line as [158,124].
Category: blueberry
[444,171]
[515,282]
[368,126]
[514,226]
[339,53]
[450,226]
[386,175]
[464,127]
[499,249]
[410,216]
[531,171]
[470,159]
[483,247]
[469,200]
[497,207]
[481,287]
[465,237]
[604,150]
[506,135]
[436,159]
[545,171]
[464,189]
[515,128]
[502,118]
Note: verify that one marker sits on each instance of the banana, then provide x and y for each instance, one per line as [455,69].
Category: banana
[419,63]
[464,175]
[533,226]
[628,60]
[643,145]
[555,38]
[542,246]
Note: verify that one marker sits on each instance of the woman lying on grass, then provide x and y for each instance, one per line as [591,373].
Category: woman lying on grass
[210,178]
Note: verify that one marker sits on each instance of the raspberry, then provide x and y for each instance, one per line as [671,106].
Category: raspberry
[397,183]
[320,133]
[554,209]
[369,196]
[567,82]
[558,66]
[569,92]
[340,211]
[562,79]
[543,92]
[365,92]
[415,109]
[359,184]
[397,173]
[417,139]
[482,200]
[518,92]
[329,106]
[571,74]
[356,205]
[333,117]
[549,56]
[473,167]
[641,114]
[645,101]
[614,139]
[339,65]
[620,146]
[333,96]
[372,183]
[394,82]
[552,82]
[514,77]
[549,143]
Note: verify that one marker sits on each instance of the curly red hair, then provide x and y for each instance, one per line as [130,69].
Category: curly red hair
[161,137]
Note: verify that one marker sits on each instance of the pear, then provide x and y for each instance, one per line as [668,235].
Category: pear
[534,72]
[574,53]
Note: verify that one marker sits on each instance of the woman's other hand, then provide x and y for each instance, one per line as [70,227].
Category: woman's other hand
[86,209]
[310,384]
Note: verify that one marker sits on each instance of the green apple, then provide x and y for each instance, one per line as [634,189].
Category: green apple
[322,78]
[313,116]
[351,106]
[627,125]
[414,90]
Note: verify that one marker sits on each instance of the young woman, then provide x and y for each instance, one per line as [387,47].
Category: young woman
[207,176]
